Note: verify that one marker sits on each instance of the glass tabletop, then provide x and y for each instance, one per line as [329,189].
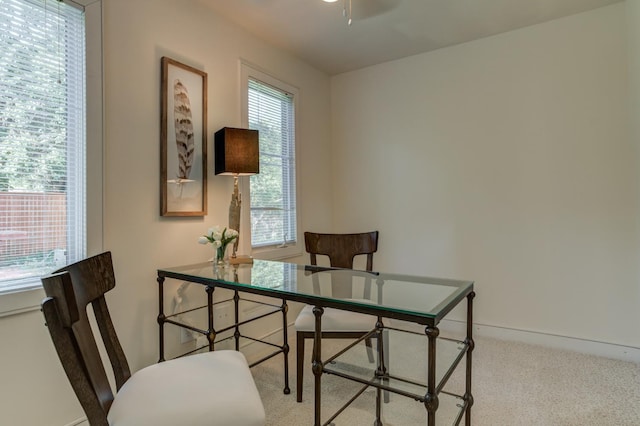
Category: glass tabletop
[424,300]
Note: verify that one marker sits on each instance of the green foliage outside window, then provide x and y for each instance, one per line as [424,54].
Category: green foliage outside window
[32,112]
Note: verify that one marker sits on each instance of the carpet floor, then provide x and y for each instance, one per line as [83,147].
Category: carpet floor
[513,384]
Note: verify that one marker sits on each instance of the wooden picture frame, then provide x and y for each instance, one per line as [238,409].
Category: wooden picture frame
[183,140]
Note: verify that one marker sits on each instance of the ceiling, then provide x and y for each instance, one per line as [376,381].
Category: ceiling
[384,30]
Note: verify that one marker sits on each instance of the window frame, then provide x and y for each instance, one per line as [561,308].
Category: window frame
[270,252]
[29,298]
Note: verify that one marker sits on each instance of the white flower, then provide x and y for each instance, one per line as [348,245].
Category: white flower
[218,237]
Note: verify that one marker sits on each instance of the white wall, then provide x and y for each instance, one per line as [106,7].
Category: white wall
[507,161]
[33,389]
[136,37]
[633,18]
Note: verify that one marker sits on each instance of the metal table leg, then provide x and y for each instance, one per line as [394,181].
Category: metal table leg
[161,316]
[431,398]
[316,363]
[381,370]
[285,346]
[469,341]
[211,332]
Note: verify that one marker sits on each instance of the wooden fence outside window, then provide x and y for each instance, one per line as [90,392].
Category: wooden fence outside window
[31,224]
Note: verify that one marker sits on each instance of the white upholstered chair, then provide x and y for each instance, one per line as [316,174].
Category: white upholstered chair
[213,388]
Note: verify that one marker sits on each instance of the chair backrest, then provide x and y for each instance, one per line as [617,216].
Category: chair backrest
[342,248]
[69,292]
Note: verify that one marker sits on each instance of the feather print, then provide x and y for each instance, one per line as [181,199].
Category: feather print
[184,129]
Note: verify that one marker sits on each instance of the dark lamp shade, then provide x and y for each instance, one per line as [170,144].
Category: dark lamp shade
[236,151]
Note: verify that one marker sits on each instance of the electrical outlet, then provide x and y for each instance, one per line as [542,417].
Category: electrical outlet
[186,335]
[222,316]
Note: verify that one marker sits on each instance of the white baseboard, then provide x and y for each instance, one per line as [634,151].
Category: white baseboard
[603,349]
[250,348]
[591,347]
[254,350]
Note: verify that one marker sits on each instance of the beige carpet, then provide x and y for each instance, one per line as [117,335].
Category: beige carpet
[513,384]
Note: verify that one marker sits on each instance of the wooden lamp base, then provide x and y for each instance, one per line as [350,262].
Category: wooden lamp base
[240,259]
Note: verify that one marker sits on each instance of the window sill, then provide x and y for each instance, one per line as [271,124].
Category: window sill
[20,301]
[276,253]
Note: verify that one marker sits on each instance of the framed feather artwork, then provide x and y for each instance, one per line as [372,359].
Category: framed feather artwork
[183,144]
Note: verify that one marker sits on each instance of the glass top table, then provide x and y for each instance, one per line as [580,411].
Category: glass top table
[423,300]
[417,299]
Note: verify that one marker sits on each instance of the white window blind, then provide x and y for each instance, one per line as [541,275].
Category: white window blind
[42,139]
[273,190]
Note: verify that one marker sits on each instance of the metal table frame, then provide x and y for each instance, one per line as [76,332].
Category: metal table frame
[430,399]
[211,333]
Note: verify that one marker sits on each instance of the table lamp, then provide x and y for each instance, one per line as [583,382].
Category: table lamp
[237,153]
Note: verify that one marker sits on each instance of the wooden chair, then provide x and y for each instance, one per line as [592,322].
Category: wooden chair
[213,388]
[336,323]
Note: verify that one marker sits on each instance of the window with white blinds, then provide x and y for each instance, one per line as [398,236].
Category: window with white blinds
[271,111]
[42,139]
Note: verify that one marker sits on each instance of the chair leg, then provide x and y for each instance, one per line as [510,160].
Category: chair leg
[367,342]
[299,364]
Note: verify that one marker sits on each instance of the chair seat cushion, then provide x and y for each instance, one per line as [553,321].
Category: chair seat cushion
[213,388]
[335,320]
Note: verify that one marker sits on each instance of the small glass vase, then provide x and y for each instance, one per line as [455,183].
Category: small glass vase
[220,260]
